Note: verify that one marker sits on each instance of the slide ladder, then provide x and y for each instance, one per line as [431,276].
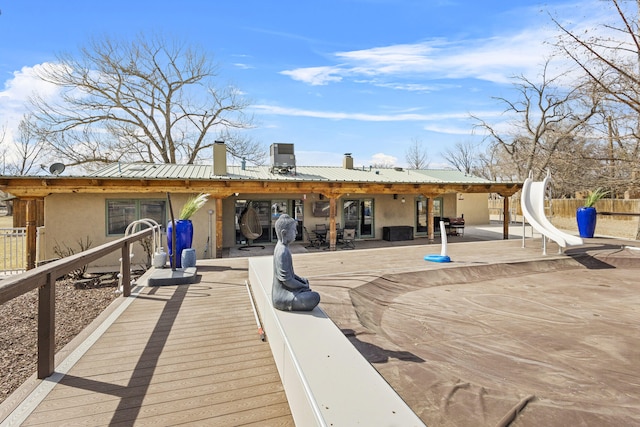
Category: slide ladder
[532,203]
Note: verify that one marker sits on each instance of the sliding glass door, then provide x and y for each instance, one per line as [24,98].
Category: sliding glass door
[422,215]
[268,212]
[358,214]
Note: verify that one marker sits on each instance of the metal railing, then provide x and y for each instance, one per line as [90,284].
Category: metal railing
[13,254]
[44,278]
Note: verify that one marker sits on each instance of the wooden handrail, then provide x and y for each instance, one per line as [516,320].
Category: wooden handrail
[44,278]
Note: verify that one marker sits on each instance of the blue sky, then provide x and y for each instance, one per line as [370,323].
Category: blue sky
[367,77]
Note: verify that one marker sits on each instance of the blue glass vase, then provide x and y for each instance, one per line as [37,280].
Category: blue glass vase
[184,237]
[586,217]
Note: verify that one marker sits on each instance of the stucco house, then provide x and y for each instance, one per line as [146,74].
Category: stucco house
[97,207]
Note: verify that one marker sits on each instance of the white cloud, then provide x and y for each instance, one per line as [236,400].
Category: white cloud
[494,59]
[383,159]
[25,83]
[519,49]
[315,76]
[337,115]
[409,87]
[14,99]
[449,130]
[243,66]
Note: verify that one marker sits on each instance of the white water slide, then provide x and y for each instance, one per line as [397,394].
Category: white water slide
[532,203]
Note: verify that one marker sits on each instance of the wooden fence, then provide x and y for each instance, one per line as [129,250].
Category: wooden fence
[568,207]
[616,217]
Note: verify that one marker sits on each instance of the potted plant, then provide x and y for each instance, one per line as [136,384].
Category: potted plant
[586,215]
[184,226]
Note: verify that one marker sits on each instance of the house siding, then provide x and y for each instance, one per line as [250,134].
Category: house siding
[71,218]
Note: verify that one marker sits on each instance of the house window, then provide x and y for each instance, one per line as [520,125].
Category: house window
[121,213]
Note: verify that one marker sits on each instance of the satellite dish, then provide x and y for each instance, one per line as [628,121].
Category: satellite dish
[56,168]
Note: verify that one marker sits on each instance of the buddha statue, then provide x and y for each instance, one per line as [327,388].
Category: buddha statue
[289,292]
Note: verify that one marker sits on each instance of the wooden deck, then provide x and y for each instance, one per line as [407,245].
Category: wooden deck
[186,354]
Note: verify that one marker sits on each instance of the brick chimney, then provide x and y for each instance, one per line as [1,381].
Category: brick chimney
[219,158]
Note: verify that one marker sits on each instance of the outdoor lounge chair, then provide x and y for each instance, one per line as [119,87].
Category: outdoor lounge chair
[348,236]
[312,238]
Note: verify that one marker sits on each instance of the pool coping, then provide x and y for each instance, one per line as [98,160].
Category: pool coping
[326,380]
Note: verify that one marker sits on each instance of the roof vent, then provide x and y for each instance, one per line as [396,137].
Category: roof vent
[283,159]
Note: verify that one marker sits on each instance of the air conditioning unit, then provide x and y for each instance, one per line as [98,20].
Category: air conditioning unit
[283,159]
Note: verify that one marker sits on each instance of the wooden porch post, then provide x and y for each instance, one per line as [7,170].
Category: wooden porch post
[332,224]
[47,327]
[430,224]
[219,228]
[505,223]
[32,228]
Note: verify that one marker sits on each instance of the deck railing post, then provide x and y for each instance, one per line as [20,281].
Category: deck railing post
[47,327]
[126,270]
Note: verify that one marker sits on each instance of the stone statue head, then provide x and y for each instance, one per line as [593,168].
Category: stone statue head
[286,229]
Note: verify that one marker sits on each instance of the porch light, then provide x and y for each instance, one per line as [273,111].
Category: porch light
[403,200]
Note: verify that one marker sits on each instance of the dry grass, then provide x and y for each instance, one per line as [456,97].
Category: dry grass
[5,253]
[6,221]
[76,307]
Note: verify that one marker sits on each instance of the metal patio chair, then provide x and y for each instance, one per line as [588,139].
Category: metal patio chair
[348,237]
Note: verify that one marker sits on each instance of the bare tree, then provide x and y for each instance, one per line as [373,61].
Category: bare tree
[148,100]
[23,155]
[29,147]
[490,164]
[416,155]
[610,59]
[544,119]
[382,165]
[463,156]
[3,150]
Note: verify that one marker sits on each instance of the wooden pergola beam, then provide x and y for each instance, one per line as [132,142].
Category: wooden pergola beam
[40,187]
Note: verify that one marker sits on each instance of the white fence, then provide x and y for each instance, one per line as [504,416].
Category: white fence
[13,250]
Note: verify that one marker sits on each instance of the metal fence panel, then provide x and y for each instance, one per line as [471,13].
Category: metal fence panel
[13,252]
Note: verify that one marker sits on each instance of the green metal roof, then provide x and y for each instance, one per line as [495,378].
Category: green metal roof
[300,173]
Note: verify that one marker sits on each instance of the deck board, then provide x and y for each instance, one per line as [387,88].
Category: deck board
[185,354]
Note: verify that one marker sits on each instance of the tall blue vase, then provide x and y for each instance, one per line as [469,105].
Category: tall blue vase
[184,237]
[586,217]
